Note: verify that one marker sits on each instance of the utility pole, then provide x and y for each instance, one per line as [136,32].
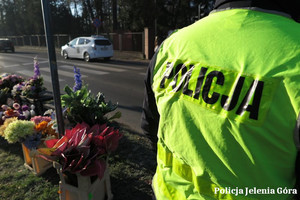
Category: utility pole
[53,66]
[155,19]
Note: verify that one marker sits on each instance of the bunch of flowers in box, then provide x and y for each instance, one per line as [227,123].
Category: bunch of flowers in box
[31,133]
[82,106]
[83,149]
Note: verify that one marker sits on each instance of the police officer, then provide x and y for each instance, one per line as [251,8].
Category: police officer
[221,104]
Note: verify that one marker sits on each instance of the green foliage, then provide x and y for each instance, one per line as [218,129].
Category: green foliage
[4,93]
[83,106]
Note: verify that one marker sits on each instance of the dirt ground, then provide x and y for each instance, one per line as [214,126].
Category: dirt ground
[132,168]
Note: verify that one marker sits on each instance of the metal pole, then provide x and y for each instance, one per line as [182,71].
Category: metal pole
[53,66]
[155,19]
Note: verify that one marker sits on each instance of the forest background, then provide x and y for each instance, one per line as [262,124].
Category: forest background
[75,17]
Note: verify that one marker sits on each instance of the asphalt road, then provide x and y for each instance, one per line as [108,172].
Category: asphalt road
[121,81]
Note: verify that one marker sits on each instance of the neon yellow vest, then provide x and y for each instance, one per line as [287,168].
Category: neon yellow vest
[227,90]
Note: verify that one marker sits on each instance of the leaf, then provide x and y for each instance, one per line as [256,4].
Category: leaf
[68,90]
[94,130]
[76,168]
[77,137]
[46,151]
[66,100]
[60,141]
[111,140]
[98,168]
[51,143]
[60,149]
[117,115]
[85,140]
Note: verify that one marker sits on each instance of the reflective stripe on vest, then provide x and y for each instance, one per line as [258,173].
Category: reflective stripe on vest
[187,185]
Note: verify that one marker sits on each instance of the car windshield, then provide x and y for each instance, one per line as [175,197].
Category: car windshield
[102,42]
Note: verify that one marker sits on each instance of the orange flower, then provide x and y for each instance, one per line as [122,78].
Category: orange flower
[41,126]
[50,131]
[9,112]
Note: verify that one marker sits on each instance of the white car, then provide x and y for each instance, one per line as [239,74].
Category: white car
[88,48]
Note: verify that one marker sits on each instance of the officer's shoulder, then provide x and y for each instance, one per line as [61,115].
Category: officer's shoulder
[181,35]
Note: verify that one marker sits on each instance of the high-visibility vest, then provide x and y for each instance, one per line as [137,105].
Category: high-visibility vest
[227,90]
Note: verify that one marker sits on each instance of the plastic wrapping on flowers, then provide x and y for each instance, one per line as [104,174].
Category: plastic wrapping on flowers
[83,149]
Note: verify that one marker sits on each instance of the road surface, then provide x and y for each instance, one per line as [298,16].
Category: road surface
[120,81]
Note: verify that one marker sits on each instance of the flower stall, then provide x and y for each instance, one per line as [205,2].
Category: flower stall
[80,155]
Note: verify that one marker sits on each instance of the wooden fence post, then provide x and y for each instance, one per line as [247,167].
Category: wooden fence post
[149,42]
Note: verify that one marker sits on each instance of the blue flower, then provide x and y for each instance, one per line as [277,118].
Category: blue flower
[37,72]
[32,141]
[77,78]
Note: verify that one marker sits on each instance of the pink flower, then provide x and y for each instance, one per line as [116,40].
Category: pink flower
[39,119]
[16,106]
[4,107]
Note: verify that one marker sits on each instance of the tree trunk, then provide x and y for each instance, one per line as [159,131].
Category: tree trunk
[114,11]
[88,3]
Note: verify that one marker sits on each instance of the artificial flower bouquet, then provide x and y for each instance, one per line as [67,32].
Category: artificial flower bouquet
[83,149]
[7,82]
[82,106]
[33,87]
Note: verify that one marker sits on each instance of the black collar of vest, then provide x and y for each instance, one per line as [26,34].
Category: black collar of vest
[223,4]
[288,6]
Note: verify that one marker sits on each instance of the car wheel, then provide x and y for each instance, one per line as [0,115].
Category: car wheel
[65,55]
[87,57]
